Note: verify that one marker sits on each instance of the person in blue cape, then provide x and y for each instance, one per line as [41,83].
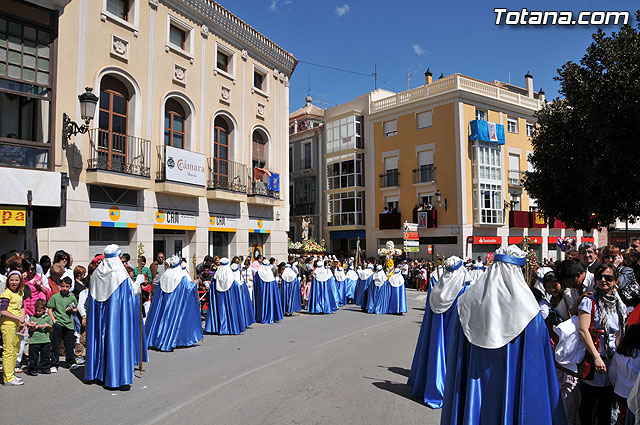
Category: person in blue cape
[174,316]
[350,284]
[321,297]
[429,366]
[378,293]
[398,299]
[500,366]
[340,278]
[245,297]
[228,316]
[266,296]
[290,291]
[113,341]
[364,281]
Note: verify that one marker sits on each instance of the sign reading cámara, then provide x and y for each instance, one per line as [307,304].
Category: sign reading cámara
[185,166]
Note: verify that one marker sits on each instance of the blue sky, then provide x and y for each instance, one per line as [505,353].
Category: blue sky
[405,37]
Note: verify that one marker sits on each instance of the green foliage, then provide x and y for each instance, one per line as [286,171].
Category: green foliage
[586,149]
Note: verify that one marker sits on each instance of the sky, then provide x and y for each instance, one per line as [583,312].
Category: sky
[402,38]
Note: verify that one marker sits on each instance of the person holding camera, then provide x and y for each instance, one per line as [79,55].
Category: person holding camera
[62,306]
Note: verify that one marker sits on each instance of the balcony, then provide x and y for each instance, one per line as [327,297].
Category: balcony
[424,174]
[519,219]
[515,178]
[304,125]
[265,184]
[24,154]
[426,219]
[119,153]
[389,178]
[227,175]
[390,221]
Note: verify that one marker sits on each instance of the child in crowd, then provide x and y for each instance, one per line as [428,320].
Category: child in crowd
[79,274]
[625,367]
[11,323]
[40,341]
[62,306]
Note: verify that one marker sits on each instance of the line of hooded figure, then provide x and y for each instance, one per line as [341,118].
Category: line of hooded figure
[119,331]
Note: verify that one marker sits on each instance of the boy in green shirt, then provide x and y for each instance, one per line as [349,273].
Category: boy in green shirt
[40,341]
[62,307]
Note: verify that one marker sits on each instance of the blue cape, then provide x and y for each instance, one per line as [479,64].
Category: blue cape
[266,300]
[512,385]
[350,288]
[341,292]
[398,301]
[322,299]
[360,293]
[113,337]
[290,295]
[227,316]
[174,319]
[429,367]
[247,305]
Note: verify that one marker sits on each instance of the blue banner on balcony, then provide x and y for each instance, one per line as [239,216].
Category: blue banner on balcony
[274,182]
[486,131]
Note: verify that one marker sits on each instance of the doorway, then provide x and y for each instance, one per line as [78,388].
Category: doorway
[171,244]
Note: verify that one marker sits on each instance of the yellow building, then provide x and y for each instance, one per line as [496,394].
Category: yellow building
[449,155]
[187,150]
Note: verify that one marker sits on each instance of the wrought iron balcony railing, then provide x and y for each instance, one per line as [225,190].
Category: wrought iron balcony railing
[261,186]
[226,175]
[389,178]
[424,173]
[119,153]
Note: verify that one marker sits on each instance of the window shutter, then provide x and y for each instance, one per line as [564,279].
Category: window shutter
[425,119]
[391,163]
[390,127]
[425,158]
[514,162]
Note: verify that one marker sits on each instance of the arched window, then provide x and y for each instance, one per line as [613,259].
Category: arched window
[174,119]
[221,150]
[259,144]
[113,117]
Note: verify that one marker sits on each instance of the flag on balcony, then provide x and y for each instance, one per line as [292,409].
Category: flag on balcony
[486,131]
[258,173]
[274,182]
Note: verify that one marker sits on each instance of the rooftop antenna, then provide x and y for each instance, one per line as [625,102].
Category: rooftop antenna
[375,76]
[509,77]
[408,81]
[309,86]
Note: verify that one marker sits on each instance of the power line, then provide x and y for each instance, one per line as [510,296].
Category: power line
[338,69]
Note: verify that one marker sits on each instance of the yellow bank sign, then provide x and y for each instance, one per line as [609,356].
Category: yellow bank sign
[12,216]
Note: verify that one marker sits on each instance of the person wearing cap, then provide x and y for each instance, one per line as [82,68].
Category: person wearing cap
[500,366]
[113,324]
[429,366]
[341,280]
[266,296]
[245,296]
[364,280]
[290,291]
[225,315]
[398,300]
[321,296]
[174,316]
[378,293]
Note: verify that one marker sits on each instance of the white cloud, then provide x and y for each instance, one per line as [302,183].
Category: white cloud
[341,11]
[418,49]
[274,5]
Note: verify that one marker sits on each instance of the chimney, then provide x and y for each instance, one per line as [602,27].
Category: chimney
[528,82]
[541,96]
[441,76]
[428,76]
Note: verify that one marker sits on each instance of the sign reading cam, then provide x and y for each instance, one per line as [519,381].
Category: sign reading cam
[185,166]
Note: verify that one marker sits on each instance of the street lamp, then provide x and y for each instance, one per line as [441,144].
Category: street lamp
[439,200]
[88,102]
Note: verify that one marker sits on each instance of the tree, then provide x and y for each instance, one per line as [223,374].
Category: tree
[586,147]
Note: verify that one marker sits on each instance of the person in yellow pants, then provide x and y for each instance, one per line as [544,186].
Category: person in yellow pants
[11,322]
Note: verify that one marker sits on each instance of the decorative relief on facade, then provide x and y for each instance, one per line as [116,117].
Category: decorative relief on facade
[205,30]
[260,110]
[275,73]
[119,47]
[225,94]
[245,55]
[179,74]
[281,76]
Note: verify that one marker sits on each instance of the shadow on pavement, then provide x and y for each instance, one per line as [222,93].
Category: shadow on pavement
[401,389]
[397,370]
[79,374]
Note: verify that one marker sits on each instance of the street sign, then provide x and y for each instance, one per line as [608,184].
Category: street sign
[411,243]
[411,249]
[429,249]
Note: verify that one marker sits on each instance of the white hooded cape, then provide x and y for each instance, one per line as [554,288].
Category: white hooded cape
[322,274]
[108,276]
[288,275]
[365,274]
[172,277]
[396,280]
[497,308]
[351,274]
[379,278]
[224,276]
[265,273]
[451,282]
[340,275]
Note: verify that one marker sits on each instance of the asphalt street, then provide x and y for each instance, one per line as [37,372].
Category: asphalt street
[344,368]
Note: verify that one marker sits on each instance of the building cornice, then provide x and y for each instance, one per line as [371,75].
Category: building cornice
[229,27]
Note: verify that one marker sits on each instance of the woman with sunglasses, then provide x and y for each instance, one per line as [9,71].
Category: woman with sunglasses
[609,316]
[612,255]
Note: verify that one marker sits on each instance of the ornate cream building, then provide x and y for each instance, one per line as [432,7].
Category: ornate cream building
[187,151]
